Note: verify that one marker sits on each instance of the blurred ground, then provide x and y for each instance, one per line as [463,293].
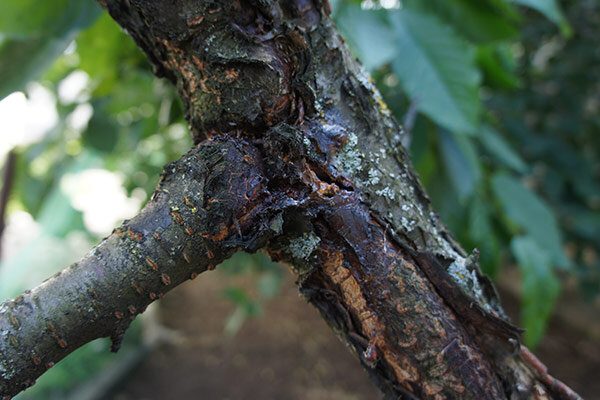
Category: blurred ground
[290,353]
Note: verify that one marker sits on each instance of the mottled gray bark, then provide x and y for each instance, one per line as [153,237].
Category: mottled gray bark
[320,182]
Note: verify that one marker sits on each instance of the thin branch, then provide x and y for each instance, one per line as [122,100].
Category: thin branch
[408,123]
[186,229]
[8,176]
[556,386]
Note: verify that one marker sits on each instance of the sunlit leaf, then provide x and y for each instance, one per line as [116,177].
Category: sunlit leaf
[57,216]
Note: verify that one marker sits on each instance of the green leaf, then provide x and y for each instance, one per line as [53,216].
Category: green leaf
[57,217]
[105,50]
[482,21]
[28,59]
[368,34]
[335,6]
[530,213]
[437,70]
[585,223]
[499,66]
[461,162]
[102,134]
[49,250]
[246,307]
[551,10]
[500,149]
[540,287]
[25,55]
[25,18]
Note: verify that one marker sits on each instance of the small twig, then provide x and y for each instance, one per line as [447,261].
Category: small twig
[553,384]
[8,176]
[408,123]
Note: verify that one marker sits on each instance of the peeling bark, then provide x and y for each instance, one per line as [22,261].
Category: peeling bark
[297,154]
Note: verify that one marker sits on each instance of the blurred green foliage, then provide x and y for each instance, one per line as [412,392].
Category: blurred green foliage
[501,99]
[266,276]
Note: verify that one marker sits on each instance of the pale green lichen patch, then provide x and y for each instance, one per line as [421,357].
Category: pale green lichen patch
[468,280]
[302,247]
[374,177]
[277,223]
[349,159]
[408,224]
[366,80]
[386,192]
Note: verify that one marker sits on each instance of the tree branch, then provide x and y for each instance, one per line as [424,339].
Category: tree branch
[209,204]
[380,302]
[8,175]
[320,179]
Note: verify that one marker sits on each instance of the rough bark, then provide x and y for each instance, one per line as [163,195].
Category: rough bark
[313,173]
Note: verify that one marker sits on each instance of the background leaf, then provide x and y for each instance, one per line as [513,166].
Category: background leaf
[460,160]
[482,21]
[24,53]
[104,52]
[551,10]
[540,287]
[500,149]
[531,214]
[27,18]
[368,33]
[481,234]
[437,70]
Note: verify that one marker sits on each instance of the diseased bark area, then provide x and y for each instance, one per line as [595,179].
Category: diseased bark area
[384,306]
[299,155]
[244,67]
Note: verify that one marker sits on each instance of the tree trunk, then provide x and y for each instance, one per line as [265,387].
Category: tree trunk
[298,155]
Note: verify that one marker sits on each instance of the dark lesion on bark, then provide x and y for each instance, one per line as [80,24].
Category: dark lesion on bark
[296,154]
[373,294]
